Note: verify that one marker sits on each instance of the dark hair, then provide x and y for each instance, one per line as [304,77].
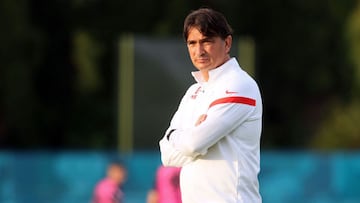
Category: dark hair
[209,22]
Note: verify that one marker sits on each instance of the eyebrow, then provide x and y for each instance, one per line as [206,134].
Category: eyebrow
[205,39]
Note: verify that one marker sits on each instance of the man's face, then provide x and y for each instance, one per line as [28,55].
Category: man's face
[207,53]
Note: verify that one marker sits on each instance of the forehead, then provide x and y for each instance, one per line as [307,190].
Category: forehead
[194,33]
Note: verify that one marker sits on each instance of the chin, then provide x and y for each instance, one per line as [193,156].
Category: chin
[202,66]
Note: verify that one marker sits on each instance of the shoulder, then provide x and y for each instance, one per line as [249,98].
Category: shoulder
[166,172]
[237,81]
[105,184]
[191,91]
[193,88]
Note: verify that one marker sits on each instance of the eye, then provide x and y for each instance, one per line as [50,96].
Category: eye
[208,41]
[191,43]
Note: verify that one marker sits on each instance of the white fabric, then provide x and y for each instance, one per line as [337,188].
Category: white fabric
[220,158]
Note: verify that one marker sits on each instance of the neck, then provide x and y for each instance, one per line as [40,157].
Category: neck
[205,72]
[205,75]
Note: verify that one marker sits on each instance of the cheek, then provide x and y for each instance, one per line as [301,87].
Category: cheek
[191,52]
[218,51]
[212,50]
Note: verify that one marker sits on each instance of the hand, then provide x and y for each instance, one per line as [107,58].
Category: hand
[201,119]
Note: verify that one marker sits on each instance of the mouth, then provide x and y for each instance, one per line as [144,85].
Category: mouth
[202,60]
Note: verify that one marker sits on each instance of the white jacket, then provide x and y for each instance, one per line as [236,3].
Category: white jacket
[220,158]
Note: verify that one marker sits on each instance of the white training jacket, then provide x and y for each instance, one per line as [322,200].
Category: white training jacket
[220,158]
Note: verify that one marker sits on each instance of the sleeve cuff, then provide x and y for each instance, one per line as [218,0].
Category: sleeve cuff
[168,135]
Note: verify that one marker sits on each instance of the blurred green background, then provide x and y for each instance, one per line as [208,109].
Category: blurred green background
[59,65]
[59,60]
[68,91]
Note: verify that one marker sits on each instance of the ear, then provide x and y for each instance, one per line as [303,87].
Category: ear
[228,42]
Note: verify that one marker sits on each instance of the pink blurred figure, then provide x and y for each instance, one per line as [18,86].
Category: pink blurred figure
[108,189]
[167,186]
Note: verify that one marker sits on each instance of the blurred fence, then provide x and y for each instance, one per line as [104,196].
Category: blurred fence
[70,176]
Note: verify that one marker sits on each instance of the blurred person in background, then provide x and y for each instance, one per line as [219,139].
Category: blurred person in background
[167,187]
[215,133]
[108,190]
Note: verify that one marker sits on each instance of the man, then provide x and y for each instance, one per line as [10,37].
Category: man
[107,190]
[215,133]
[167,188]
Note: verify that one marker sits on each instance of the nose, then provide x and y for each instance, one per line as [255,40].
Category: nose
[199,50]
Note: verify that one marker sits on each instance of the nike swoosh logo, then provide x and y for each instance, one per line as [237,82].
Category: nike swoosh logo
[230,92]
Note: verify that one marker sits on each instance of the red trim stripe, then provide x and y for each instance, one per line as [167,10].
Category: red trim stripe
[239,100]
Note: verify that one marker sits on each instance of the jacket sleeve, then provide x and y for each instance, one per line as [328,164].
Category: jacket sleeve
[170,156]
[223,117]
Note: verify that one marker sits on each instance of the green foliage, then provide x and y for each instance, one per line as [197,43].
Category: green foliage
[340,129]
[86,54]
[19,54]
[58,60]
[353,40]
[301,63]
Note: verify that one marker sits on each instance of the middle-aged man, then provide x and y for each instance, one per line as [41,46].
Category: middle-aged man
[215,133]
